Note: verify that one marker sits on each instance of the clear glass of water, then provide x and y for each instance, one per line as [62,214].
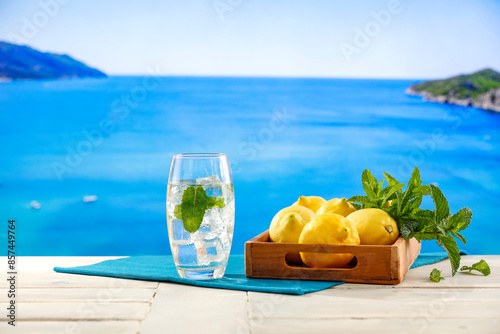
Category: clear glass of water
[200,214]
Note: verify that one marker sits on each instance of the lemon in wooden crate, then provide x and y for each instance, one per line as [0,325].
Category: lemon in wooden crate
[375,226]
[287,225]
[311,202]
[339,206]
[328,229]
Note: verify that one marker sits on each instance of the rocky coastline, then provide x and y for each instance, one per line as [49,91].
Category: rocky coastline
[488,101]
[480,90]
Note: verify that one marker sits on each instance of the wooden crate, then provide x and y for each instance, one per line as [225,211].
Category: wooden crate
[378,264]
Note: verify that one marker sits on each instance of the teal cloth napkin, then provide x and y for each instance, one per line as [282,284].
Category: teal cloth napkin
[162,268]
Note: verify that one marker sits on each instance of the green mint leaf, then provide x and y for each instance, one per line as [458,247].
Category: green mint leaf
[424,190]
[455,223]
[357,206]
[436,275]
[414,204]
[392,210]
[442,210]
[408,227]
[381,183]
[370,184]
[391,192]
[399,198]
[423,236]
[426,218]
[409,192]
[178,212]
[449,244]
[215,202]
[415,180]
[392,181]
[461,219]
[388,192]
[441,226]
[459,236]
[195,203]
[360,199]
[480,266]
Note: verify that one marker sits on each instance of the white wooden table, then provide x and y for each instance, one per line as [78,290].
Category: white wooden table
[49,302]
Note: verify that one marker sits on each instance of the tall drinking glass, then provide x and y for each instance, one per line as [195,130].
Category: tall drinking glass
[200,214]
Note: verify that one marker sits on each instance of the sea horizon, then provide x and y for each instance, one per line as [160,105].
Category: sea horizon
[201,76]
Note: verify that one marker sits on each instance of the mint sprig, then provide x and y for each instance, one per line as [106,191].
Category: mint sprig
[436,275]
[195,202]
[480,266]
[413,222]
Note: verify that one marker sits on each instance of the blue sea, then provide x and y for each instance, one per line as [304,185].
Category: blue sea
[114,138]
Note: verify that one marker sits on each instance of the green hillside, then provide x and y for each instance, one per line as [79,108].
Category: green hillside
[23,62]
[462,86]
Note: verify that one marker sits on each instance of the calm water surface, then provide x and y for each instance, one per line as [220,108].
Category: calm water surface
[114,138]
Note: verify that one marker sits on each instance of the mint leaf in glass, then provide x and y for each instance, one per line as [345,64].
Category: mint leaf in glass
[195,202]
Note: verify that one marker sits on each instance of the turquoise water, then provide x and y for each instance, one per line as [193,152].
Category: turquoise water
[114,138]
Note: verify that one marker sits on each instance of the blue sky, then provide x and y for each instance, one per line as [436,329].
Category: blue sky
[420,39]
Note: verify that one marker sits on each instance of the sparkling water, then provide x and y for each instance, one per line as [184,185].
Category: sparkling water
[204,253]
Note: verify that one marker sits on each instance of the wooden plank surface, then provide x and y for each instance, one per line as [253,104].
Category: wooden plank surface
[187,309]
[78,295]
[50,302]
[80,327]
[60,280]
[376,326]
[464,303]
[81,311]
[452,303]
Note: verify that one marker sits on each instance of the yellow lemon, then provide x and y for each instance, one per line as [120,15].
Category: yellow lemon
[337,205]
[287,225]
[375,226]
[310,202]
[329,229]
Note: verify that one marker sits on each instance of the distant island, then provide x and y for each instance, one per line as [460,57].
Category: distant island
[480,90]
[23,62]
